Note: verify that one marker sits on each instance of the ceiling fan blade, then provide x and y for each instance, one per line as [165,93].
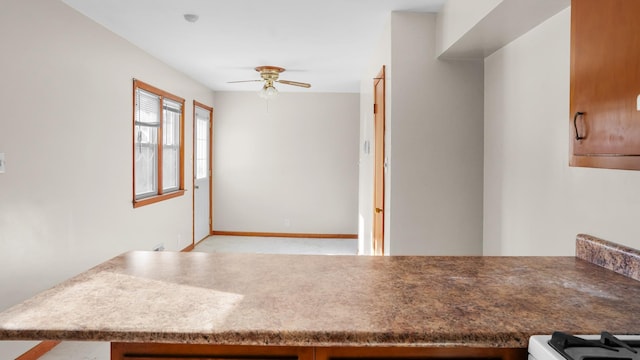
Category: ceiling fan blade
[241,81]
[294,83]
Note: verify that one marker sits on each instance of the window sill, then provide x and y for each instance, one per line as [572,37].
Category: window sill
[157,198]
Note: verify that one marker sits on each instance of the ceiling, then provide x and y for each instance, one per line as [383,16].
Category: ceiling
[327,43]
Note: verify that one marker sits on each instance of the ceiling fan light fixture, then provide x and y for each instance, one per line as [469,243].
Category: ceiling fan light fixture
[268,92]
[271,75]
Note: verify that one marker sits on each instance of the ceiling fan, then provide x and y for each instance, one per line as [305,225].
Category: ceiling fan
[269,75]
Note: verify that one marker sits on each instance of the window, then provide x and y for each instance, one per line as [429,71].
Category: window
[158,145]
[203,118]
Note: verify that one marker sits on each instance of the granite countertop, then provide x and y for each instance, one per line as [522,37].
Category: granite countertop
[251,299]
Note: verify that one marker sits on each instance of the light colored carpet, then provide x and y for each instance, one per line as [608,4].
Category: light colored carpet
[277,245]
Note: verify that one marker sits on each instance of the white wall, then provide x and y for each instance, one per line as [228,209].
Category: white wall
[535,203]
[295,159]
[457,17]
[434,143]
[381,57]
[65,199]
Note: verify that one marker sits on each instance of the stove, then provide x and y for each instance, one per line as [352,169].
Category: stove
[562,346]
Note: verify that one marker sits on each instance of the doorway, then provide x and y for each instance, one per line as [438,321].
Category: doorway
[378,192]
[202,171]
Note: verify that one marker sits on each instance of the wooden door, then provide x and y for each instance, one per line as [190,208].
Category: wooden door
[378,197]
[605,84]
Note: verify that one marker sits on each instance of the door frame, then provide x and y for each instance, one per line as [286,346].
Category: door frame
[379,164]
[193,175]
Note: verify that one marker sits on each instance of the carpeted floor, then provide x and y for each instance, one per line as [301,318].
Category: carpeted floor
[276,245]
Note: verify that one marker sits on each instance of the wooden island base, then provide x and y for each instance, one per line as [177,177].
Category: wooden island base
[149,351]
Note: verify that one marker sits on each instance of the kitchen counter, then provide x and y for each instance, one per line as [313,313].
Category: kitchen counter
[305,300]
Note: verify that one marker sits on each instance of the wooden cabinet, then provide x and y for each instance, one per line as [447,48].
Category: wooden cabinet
[149,351]
[605,84]
[146,351]
[416,353]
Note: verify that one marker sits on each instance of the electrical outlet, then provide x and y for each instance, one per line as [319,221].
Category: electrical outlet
[2,163]
[287,222]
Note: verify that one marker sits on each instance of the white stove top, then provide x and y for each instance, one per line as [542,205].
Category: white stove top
[539,348]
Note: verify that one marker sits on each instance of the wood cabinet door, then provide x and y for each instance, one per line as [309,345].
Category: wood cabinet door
[605,84]
[419,353]
[158,351]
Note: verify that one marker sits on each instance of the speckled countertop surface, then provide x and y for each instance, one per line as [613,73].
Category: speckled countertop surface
[329,300]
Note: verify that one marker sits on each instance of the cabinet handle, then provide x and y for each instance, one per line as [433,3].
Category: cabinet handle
[575,125]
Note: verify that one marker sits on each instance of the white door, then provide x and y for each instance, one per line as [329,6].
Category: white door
[202,173]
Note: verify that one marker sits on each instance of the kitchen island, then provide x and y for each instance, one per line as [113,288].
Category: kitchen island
[192,305]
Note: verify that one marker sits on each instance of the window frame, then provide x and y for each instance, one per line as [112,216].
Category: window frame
[161,194]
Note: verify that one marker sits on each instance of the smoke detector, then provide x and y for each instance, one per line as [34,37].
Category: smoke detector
[191,17]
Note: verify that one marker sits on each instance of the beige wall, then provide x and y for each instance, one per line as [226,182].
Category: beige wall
[65,199]
[286,166]
[535,203]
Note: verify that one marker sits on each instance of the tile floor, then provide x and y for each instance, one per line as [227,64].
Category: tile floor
[73,350]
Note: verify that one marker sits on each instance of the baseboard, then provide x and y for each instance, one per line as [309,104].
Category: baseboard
[287,235]
[37,351]
[188,248]
[203,239]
